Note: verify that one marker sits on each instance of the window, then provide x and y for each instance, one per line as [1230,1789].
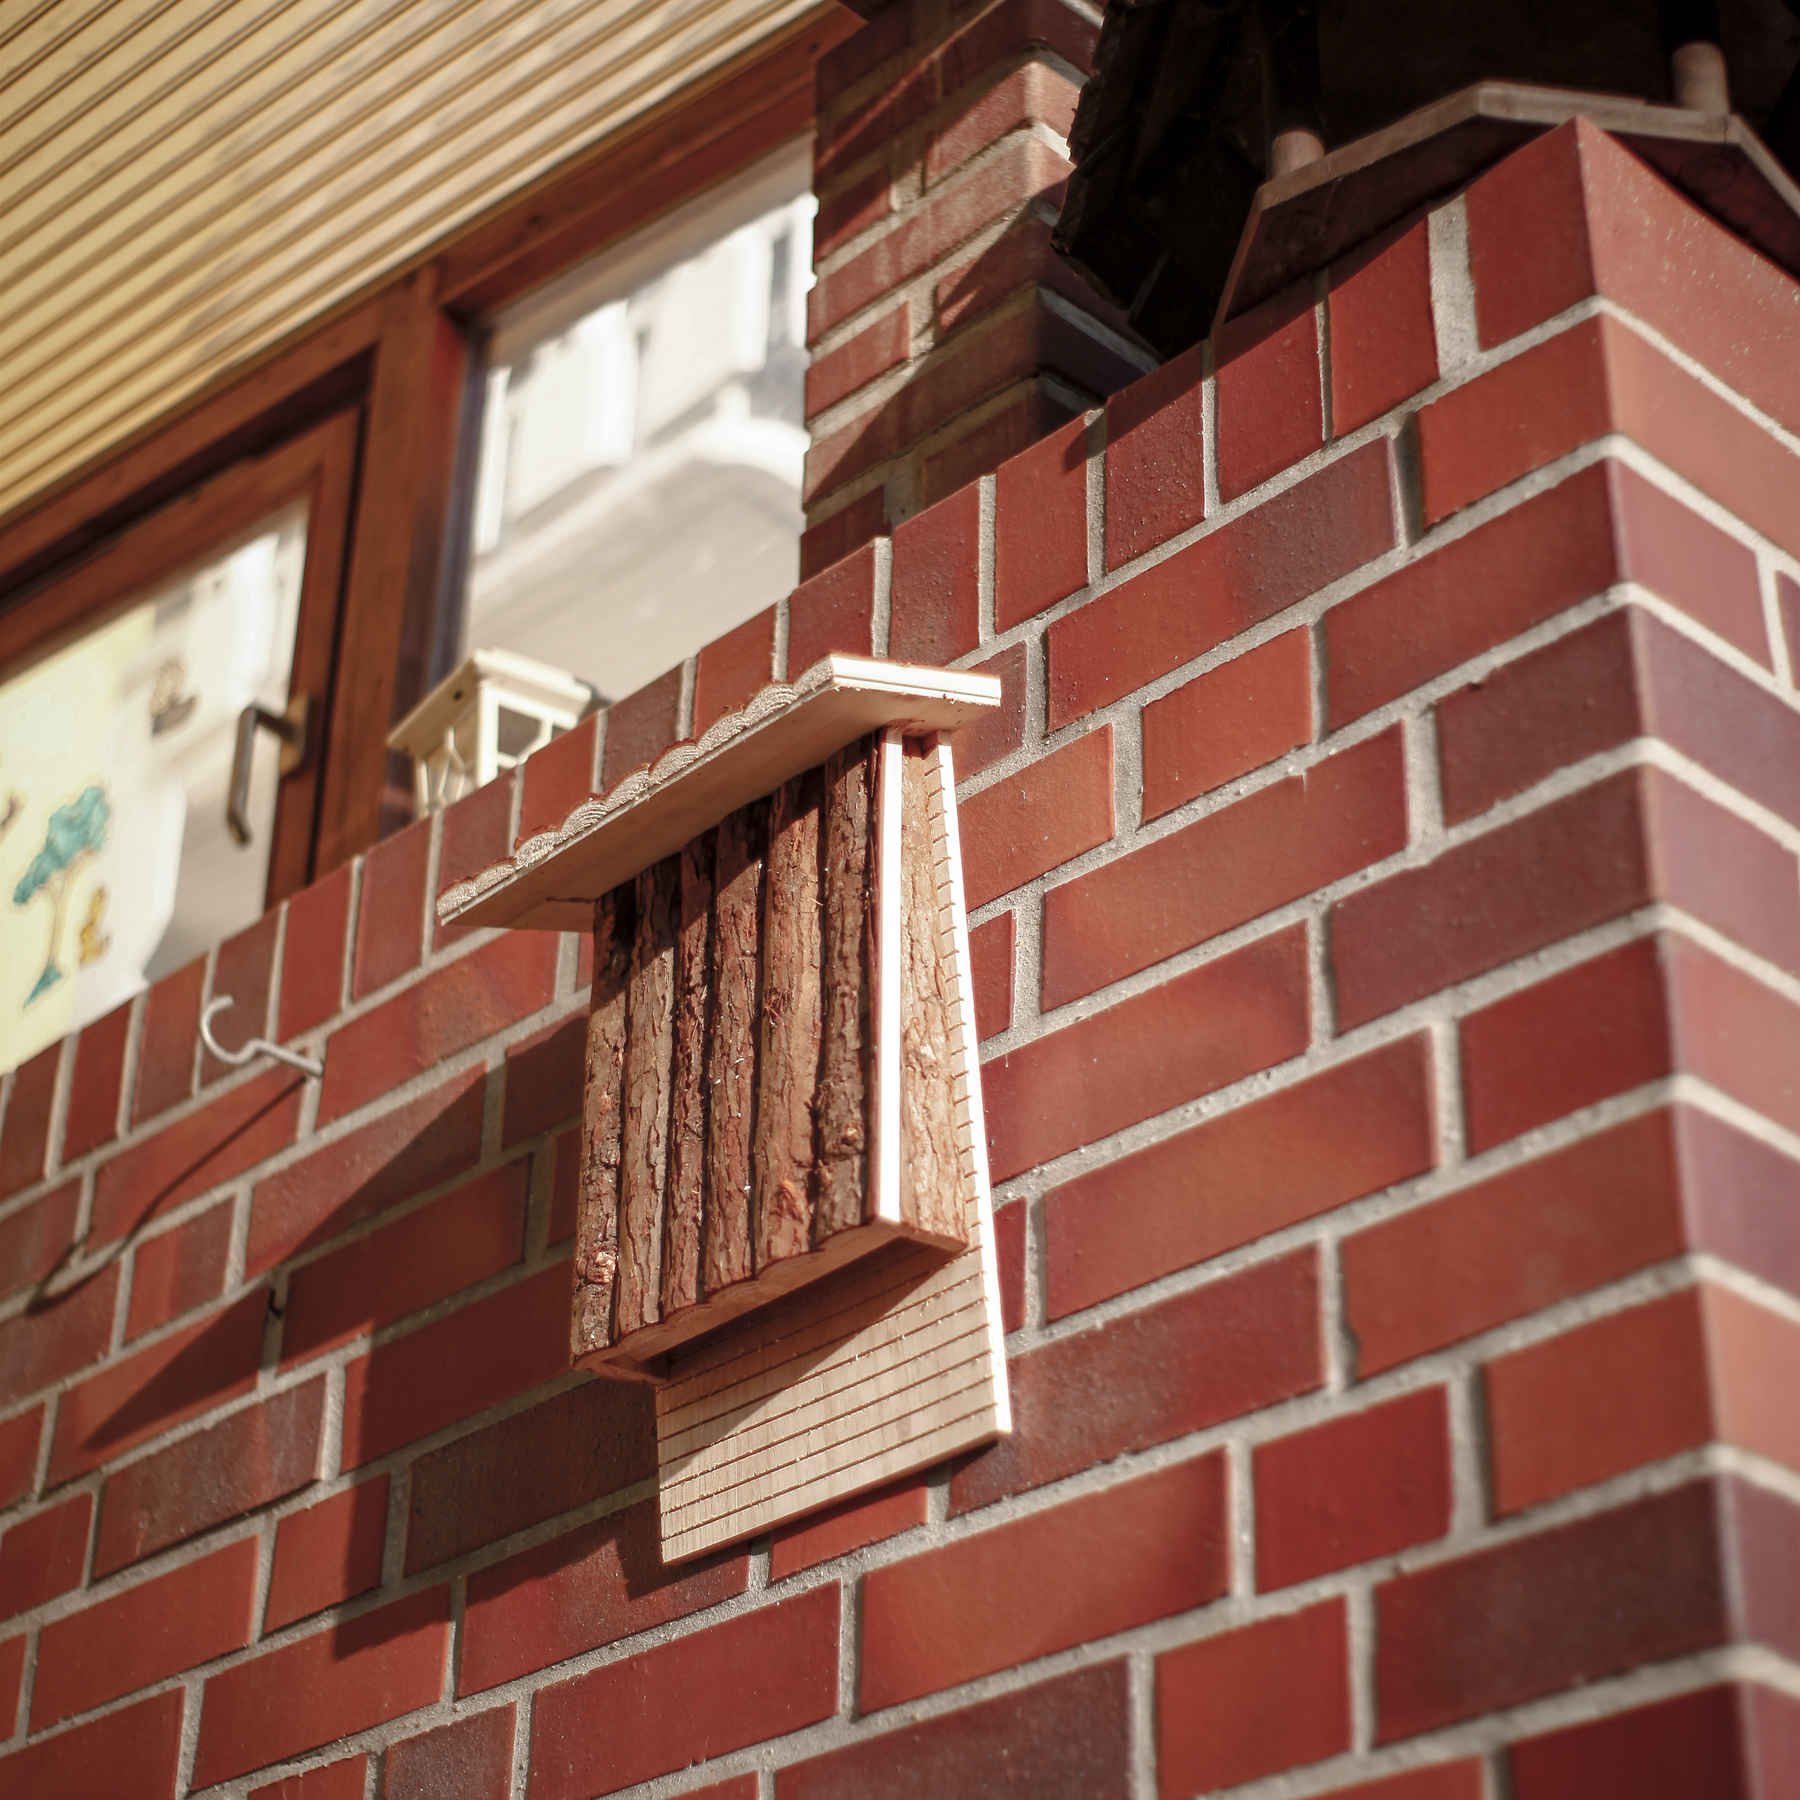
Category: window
[643,439]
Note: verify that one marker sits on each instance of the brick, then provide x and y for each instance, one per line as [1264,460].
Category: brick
[975,747]
[489,1351]
[312,957]
[856,362]
[1270,400]
[840,534]
[37,1348]
[1234,865]
[37,1237]
[179,1270]
[196,1153]
[557,777]
[193,1614]
[1595,1030]
[1736,1033]
[1541,712]
[1761,1539]
[256,1455]
[455,1006]
[171,1380]
[1223,724]
[1230,1348]
[1596,220]
[1022,256]
[1050,812]
[1241,1012]
[1694,1743]
[734,668]
[544,1075]
[1607,1593]
[1240,573]
[476,833]
[1352,1489]
[12,1676]
[1558,1225]
[390,917]
[345,1780]
[1740,1198]
[470,1758]
[867,47]
[1031,95]
[935,607]
[1269,1696]
[339,1681]
[93,1117]
[42,1556]
[1071,1735]
[991,973]
[329,1553]
[473,1232]
[244,969]
[1155,459]
[1590,1403]
[1726,723]
[1492,899]
[20,1437]
[133,1754]
[832,611]
[761,1675]
[1755,1356]
[1439,1781]
[563,1453]
[594,1585]
[967,451]
[1014,344]
[165,1071]
[1143,1550]
[1787,602]
[1383,344]
[1466,596]
[1009,1255]
[852,210]
[1040,525]
[641,727]
[389,1160]
[565,1185]
[851,1524]
[25,1131]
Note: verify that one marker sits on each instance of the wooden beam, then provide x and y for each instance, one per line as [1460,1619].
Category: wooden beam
[649,1068]
[687,1107]
[788,1067]
[602,1110]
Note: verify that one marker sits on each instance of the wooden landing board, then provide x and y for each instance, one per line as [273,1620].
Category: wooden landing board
[887,1369]
[551,881]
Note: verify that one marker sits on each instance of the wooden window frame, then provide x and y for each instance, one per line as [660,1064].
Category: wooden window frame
[403,356]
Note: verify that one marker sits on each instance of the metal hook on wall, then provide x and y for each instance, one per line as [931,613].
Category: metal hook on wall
[254,1047]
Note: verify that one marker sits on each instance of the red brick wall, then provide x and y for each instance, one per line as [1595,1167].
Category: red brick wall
[1388,940]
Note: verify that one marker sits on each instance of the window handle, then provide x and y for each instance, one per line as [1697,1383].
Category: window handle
[290,727]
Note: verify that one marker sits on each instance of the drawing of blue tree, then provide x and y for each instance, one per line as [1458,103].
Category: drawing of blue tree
[75,833]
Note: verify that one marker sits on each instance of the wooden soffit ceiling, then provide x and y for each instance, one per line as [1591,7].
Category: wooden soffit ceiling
[185,182]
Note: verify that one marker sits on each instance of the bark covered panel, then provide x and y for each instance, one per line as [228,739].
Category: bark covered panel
[602,1102]
[649,1060]
[687,1120]
[737,982]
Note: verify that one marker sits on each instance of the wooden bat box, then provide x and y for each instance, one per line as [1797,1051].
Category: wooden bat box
[784,1218]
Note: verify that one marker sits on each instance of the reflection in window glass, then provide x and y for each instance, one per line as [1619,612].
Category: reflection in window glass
[115,756]
[643,440]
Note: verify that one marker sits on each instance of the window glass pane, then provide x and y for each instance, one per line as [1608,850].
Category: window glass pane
[115,756]
[643,439]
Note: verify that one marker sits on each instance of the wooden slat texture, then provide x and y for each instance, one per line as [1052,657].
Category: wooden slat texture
[687,1106]
[602,1105]
[888,1368]
[649,1059]
[931,1175]
[731,1117]
[841,1108]
[788,1060]
[185,183]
